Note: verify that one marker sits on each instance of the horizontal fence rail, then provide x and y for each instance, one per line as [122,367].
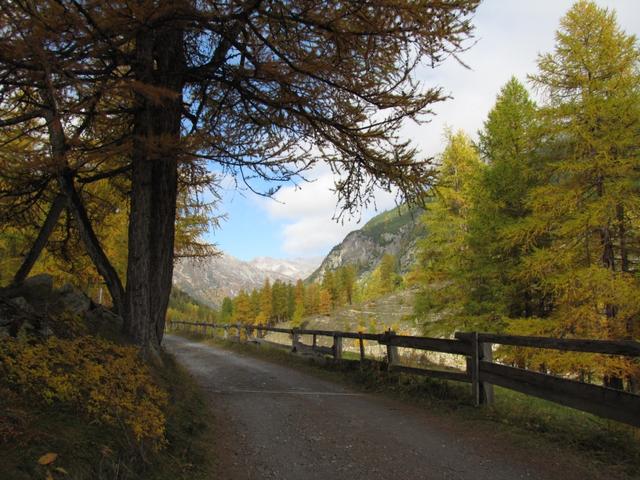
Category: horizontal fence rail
[481,371]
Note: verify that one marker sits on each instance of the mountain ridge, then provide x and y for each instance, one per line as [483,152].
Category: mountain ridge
[393,232]
[211,279]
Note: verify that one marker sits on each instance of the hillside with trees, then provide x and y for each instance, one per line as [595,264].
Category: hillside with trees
[530,230]
[394,232]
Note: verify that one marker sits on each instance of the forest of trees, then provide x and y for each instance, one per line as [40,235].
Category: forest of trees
[535,228]
[286,302]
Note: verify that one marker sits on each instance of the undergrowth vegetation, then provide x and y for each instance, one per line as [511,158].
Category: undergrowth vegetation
[100,380]
[81,406]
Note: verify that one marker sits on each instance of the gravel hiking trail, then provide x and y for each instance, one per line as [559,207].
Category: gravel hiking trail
[276,422]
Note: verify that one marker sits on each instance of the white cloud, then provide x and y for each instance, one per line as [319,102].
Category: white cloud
[308,213]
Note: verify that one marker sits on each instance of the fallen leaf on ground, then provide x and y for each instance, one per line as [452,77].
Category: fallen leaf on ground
[47,458]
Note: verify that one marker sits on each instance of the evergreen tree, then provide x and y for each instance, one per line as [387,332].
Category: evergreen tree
[325,303]
[347,276]
[312,299]
[443,253]
[494,291]
[266,303]
[242,309]
[299,301]
[589,205]
[280,301]
[254,301]
[226,312]
[291,301]
[329,284]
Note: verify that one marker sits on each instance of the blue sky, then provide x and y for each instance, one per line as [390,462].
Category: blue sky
[509,33]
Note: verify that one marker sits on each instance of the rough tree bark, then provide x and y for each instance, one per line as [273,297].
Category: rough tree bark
[159,66]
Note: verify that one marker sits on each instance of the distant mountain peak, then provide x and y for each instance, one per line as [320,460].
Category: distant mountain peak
[211,279]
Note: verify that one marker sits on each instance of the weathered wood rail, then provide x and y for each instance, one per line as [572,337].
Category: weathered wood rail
[481,371]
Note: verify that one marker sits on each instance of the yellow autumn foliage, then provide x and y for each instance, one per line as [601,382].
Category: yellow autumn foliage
[104,381]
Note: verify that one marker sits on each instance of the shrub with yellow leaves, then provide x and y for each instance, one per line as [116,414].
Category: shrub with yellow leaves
[104,381]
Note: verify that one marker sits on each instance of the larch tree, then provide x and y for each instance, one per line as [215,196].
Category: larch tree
[443,254]
[325,304]
[242,309]
[266,304]
[279,300]
[254,298]
[589,205]
[259,88]
[330,285]
[507,146]
[226,310]
[347,275]
[312,299]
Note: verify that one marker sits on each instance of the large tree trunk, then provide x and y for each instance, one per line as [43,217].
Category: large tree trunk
[160,65]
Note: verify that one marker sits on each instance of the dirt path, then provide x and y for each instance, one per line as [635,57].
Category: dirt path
[275,422]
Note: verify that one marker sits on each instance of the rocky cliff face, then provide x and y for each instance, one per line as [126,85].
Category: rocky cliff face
[210,280]
[394,232]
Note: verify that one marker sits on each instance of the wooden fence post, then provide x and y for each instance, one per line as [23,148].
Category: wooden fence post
[361,342]
[294,339]
[337,347]
[392,351]
[486,389]
[482,391]
[315,340]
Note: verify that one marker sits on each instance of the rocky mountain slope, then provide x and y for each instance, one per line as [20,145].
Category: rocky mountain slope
[395,232]
[210,280]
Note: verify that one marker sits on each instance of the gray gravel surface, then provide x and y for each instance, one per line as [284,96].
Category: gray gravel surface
[277,422]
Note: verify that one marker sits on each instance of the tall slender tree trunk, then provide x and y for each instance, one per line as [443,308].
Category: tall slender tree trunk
[91,242]
[39,243]
[159,67]
[65,179]
[608,262]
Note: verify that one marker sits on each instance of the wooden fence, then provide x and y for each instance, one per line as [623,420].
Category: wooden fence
[481,371]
